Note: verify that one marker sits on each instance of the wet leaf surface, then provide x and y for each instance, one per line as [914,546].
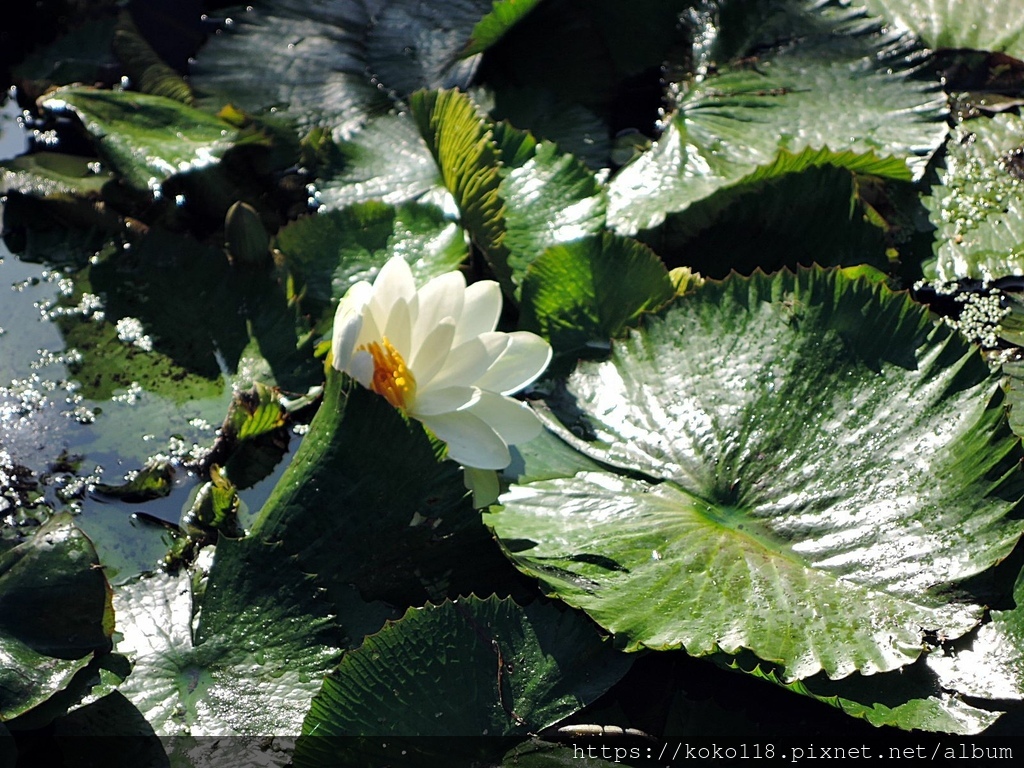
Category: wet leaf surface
[726,522]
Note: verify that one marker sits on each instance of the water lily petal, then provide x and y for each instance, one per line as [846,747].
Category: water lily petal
[515,422]
[443,297]
[360,367]
[348,323]
[470,441]
[393,283]
[484,484]
[444,400]
[432,351]
[398,329]
[480,312]
[524,359]
[467,362]
[439,359]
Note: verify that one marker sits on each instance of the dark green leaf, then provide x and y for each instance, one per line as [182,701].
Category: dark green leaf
[339,63]
[144,66]
[491,28]
[55,611]
[83,55]
[364,474]
[812,217]
[330,252]
[463,148]
[50,173]
[264,641]
[519,670]
[938,713]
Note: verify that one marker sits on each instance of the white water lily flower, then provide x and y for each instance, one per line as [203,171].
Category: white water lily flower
[434,354]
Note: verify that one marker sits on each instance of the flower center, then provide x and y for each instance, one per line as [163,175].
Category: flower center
[391,378]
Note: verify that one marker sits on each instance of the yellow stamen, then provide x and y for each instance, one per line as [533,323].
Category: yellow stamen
[391,378]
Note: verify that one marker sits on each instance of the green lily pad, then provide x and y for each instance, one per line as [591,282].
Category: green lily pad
[574,294]
[263,643]
[996,26]
[330,252]
[463,147]
[514,196]
[572,127]
[939,712]
[146,139]
[830,86]
[551,198]
[491,28]
[519,671]
[772,446]
[815,216]
[991,667]
[976,206]
[385,161]
[55,612]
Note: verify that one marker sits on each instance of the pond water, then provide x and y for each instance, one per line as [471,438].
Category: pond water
[58,438]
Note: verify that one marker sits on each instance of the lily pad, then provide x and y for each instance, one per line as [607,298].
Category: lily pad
[146,139]
[341,62]
[491,28]
[725,518]
[514,196]
[55,612]
[815,216]
[991,667]
[574,294]
[386,161]
[831,86]
[464,149]
[330,252]
[977,207]
[996,26]
[551,198]
[251,666]
[519,671]
[939,712]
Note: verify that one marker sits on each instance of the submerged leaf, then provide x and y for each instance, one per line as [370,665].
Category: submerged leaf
[774,444]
